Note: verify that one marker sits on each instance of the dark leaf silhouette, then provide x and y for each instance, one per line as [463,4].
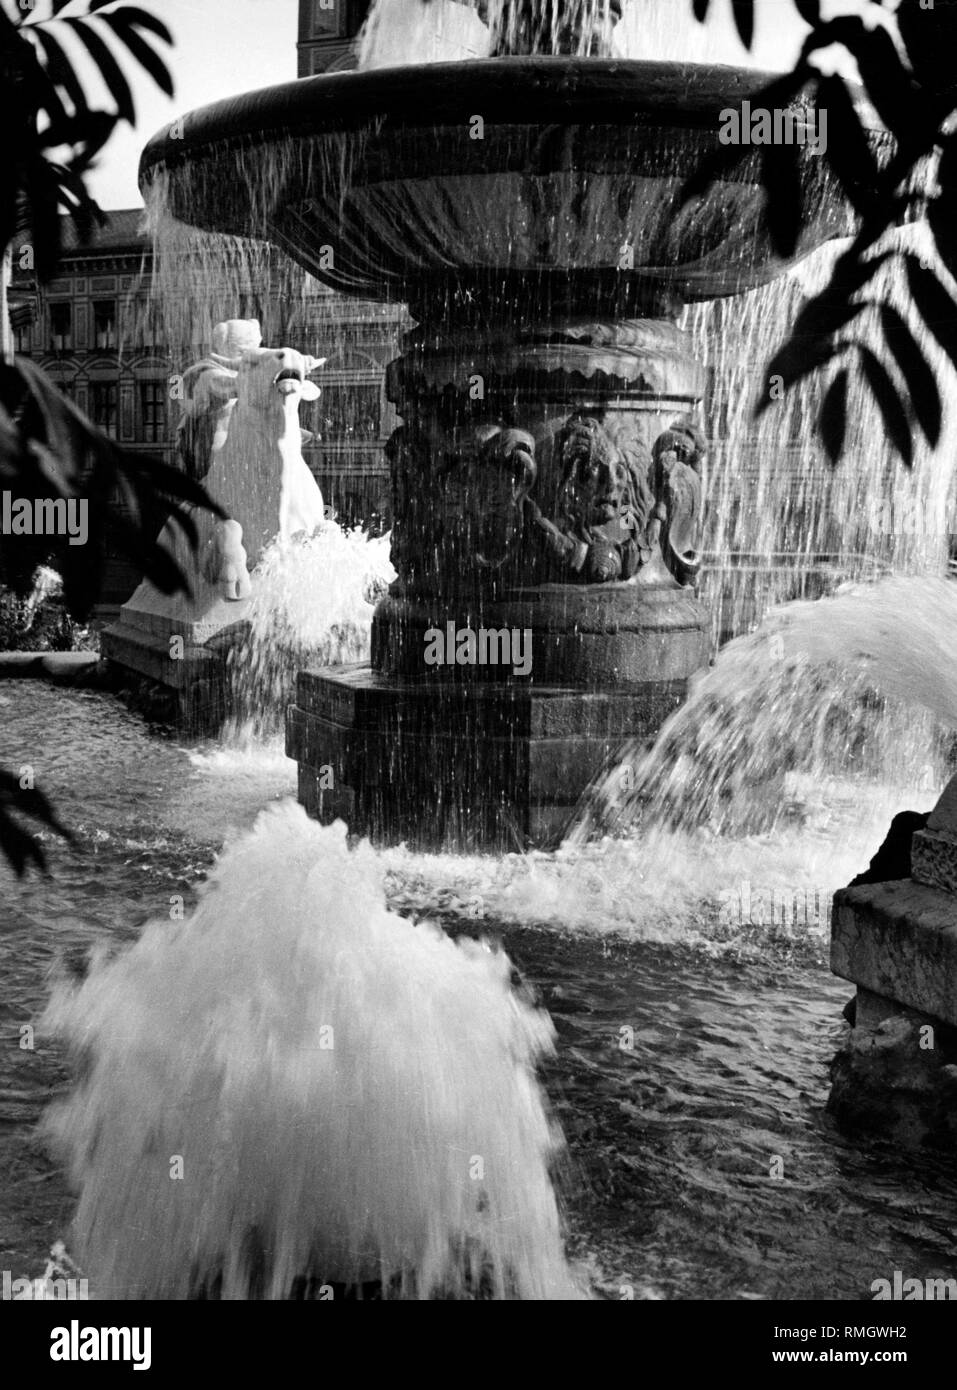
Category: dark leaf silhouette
[17,803]
[854,269]
[942,210]
[920,379]
[833,419]
[824,315]
[59,68]
[889,403]
[129,497]
[890,88]
[744,20]
[809,10]
[142,19]
[848,151]
[124,28]
[782,209]
[110,70]
[911,173]
[796,359]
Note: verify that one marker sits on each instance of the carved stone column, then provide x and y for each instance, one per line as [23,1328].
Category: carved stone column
[547,503]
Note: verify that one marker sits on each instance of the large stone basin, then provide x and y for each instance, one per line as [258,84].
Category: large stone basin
[569,186]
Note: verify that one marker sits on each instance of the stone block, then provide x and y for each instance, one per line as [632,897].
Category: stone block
[899,940]
[483,766]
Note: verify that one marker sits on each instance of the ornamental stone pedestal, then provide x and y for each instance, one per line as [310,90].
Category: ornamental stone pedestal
[547,502]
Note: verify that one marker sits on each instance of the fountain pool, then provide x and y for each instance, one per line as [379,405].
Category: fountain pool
[692,1046]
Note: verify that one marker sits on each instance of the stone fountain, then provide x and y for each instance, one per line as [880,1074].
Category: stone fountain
[548,477]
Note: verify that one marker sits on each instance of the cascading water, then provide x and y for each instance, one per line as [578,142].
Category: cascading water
[289,630]
[782,522]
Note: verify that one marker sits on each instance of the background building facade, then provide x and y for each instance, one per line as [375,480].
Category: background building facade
[327,31]
[97,333]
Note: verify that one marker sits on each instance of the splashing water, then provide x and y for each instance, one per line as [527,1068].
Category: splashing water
[824,689]
[352,1097]
[311,605]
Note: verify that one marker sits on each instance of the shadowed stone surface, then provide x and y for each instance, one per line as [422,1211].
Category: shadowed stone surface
[888,1080]
[897,941]
[439,762]
[935,848]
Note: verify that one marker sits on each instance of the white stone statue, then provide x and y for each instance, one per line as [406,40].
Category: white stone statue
[256,471]
[240,435]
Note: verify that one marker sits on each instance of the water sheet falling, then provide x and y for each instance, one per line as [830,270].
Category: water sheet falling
[782,522]
[311,606]
[295,1084]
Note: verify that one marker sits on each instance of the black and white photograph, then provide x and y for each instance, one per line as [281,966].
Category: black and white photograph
[478,671]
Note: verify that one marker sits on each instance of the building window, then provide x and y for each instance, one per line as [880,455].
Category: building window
[149,328]
[22,340]
[348,412]
[153,411]
[104,323]
[61,327]
[103,395]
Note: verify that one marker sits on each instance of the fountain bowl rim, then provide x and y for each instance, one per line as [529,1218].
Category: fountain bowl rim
[554,90]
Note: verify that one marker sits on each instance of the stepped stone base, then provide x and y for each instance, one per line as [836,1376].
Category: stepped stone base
[144,642]
[897,941]
[479,766]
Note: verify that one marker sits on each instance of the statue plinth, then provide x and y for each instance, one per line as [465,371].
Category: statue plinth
[547,500]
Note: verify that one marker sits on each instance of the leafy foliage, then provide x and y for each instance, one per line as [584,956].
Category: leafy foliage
[128,497]
[913,89]
[47,447]
[49,112]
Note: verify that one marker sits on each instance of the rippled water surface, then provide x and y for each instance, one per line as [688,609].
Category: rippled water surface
[693,1051]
